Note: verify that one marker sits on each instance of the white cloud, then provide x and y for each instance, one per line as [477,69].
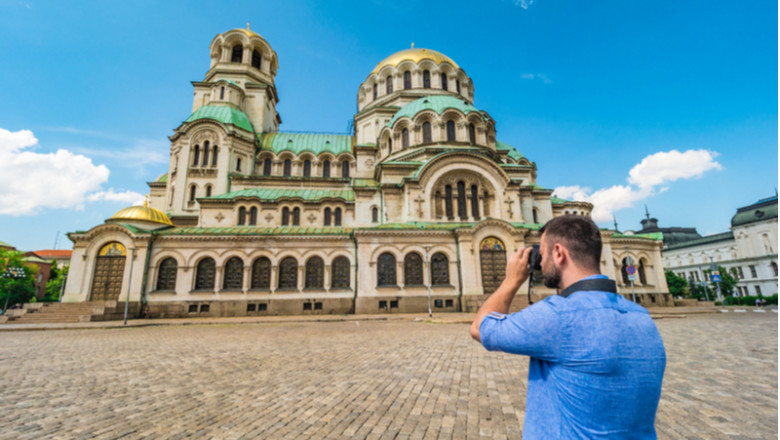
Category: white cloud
[34,181]
[128,197]
[540,76]
[668,166]
[644,180]
[523,3]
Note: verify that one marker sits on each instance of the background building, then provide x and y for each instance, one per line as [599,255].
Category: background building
[750,247]
[422,196]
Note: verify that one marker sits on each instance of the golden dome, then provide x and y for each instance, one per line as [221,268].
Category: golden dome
[416,55]
[142,213]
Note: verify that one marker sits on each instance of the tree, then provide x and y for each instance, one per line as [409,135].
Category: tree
[677,285]
[17,282]
[728,280]
[56,279]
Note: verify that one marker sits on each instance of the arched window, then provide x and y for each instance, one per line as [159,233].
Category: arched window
[326,217]
[234,274]
[238,54]
[389,145]
[444,81]
[413,271]
[296,217]
[241,216]
[389,84]
[267,167]
[340,273]
[405,138]
[462,200]
[204,274]
[214,156]
[450,130]
[307,168]
[474,202]
[448,202]
[385,270]
[166,279]
[337,217]
[256,59]
[375,215]
[205,153]
[285,216]
[407,80]
[345,169]
[774,267]
[624,272]
[287,171]
[238,165]
[440,270]
[193,188]
[426,129]
[457,86]
[641,270]
[222,93]
[376,91]
[536,215]
[208,190]
[288,273]
[426,79]
[261,273]
[315,270]
[472,134]
[326,169]
[253,216]
[196,156]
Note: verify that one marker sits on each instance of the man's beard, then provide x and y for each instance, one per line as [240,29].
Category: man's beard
[552,277]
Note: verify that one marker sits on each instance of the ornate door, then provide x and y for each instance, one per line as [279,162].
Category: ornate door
[492,256]
[109,271]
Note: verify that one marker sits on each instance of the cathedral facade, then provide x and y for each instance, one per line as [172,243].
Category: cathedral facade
[419,207]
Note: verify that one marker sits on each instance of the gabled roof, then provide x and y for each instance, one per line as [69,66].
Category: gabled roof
[224,114]
[298,143]
[306,195]
[436,103]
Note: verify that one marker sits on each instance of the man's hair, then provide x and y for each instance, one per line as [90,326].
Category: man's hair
[579,235]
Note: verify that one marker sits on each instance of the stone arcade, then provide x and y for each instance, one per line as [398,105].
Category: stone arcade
[250,220]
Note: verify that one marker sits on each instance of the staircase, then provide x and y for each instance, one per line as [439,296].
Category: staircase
[59,312]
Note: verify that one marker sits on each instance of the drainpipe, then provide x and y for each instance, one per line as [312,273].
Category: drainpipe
[144,296]
[382,205]
[354,294]
[460,275]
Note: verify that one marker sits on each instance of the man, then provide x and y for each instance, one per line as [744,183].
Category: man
[597,360]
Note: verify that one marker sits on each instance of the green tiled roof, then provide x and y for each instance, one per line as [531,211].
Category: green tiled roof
[421,226]
[659,236]
[163,178]
[557,200]
[513,153]
[298,143]
[282,193]
[224,114]
[258,230]
[229,81]
[762,210]
[714,238]
[365,183]
[436,103]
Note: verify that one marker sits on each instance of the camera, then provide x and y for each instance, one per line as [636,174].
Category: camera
[535,259]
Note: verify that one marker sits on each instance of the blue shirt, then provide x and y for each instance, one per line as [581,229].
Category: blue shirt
[597,362]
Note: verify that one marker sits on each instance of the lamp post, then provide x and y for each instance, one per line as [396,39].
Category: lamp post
[714,271]
[630,277]
[129,282]
[428,284]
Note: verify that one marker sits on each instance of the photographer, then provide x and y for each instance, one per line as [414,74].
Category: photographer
[597,359]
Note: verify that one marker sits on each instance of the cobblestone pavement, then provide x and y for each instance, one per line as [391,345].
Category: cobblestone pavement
[370,379]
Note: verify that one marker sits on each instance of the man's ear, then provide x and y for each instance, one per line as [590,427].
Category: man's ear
[559,254]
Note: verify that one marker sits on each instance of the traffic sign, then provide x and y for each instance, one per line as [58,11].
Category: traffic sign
[715,278]
[631,271]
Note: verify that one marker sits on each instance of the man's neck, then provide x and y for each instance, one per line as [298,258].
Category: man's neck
[574,275]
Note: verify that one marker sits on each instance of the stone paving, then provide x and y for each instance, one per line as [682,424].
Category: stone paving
[343,380]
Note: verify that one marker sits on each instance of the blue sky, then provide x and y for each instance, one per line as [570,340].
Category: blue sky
[588,90]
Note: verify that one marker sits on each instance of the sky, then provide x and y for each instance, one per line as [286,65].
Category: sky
[625,104]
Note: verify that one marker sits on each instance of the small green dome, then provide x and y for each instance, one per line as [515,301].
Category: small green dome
[224,114]
[437,103]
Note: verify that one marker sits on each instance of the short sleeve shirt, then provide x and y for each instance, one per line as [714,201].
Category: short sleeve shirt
[597,362]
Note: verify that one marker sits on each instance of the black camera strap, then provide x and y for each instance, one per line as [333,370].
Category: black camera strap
[600,285]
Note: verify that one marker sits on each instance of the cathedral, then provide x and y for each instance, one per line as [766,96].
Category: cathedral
[418,209]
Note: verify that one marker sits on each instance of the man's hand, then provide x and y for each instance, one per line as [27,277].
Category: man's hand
[517,268]
[516,274]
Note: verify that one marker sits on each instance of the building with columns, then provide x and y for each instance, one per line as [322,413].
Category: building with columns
[421,198]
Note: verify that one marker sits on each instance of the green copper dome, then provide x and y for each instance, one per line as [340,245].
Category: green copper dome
[224,114]
[437,103]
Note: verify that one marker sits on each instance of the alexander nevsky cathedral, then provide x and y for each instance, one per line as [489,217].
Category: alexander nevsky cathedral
[419,207]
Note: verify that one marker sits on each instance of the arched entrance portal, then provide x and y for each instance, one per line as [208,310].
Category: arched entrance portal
[109,271]
[492,256]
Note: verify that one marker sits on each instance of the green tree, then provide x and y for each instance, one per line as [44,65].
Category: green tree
[17,282]
[728,280]
[54,285]
[677,285]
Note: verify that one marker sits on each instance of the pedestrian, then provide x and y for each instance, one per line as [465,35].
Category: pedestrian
[758,302]
[596,359]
